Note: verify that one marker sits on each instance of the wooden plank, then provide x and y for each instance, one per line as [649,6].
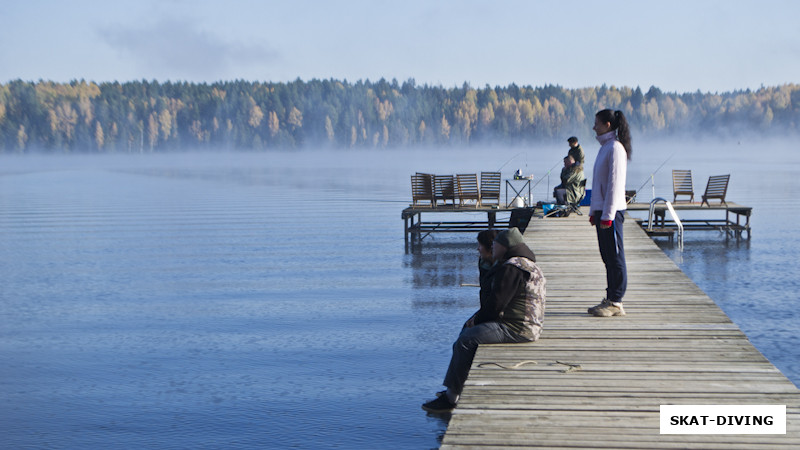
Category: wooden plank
[599,382]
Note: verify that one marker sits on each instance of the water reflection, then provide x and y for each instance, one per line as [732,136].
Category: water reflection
[443,273]
[437,264]
[705,248]
[442,421]
[714,258]
[252,289]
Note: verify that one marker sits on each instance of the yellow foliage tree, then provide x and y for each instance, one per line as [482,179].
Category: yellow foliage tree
[63,120]
[329,129]
[273,124]
[165,121]
[99,139]
[295,118]
[444,129]
[384,109]
[152,130]
[256,115]
[467,115]
[22,137]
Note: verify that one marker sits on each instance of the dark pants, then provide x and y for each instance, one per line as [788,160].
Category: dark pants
[613,254]
[467,343]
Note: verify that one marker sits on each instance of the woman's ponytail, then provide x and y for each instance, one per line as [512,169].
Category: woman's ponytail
[623,132]
[618,122]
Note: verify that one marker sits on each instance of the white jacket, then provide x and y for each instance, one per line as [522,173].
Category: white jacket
[608,180]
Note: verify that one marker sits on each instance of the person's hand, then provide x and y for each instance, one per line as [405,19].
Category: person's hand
[605,224]
[591,220]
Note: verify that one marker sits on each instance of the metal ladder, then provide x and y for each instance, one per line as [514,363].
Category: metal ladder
[672,213]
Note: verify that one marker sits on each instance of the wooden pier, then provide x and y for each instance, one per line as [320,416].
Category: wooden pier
[451,219]
[599,382]
[416,229]
[735,223]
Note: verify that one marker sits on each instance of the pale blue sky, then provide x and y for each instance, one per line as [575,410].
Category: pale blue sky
[676,45]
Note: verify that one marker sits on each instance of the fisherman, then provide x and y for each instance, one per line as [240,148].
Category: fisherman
[575,150]
[571,190]
[511,311]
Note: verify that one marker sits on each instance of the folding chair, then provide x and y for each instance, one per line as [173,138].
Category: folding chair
[716,188]
[682,184]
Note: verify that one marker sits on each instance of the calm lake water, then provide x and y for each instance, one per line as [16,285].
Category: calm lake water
[265,300]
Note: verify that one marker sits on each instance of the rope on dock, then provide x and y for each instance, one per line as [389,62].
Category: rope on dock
[515,366]
[571,367]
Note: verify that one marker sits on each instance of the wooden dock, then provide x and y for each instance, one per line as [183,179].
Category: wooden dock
[457,219]
[416,226]
[735,222]
[599,382]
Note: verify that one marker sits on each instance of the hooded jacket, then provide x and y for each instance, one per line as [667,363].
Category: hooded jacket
[571,178]
[516,297]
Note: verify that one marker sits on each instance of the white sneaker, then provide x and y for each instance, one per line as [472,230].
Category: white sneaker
[609,309]
[604,302]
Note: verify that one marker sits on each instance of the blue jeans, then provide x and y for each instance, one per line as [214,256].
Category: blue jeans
[613,254]
[467,343]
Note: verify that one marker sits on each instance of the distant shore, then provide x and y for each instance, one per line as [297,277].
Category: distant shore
[149,116]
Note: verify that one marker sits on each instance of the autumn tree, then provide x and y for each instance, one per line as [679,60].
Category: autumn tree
[444,130]
[133,116]
[99,138]
[273,124]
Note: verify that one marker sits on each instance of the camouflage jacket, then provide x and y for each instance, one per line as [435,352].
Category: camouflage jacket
[525,312]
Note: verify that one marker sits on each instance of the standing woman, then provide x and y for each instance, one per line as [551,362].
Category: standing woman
[608,205]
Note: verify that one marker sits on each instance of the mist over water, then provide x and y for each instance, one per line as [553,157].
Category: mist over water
[265,300]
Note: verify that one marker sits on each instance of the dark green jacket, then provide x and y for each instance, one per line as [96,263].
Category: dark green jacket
[485,274]
[577,154]
[571,181]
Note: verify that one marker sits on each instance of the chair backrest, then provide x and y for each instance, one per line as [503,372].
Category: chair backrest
[490,187]
[716,188]
[422,188]
[682,184]
[444,188]
[467,187]
[582,190]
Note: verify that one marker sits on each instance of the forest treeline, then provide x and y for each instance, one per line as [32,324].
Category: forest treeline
[151,116]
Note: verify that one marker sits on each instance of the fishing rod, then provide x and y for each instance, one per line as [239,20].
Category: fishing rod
[650,177]
[509,160]
[546,174]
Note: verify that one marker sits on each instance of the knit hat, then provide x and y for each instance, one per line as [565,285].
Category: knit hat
[509,238]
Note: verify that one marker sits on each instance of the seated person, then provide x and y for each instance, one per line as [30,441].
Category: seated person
[571,191]
[512,310]
[485,258]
